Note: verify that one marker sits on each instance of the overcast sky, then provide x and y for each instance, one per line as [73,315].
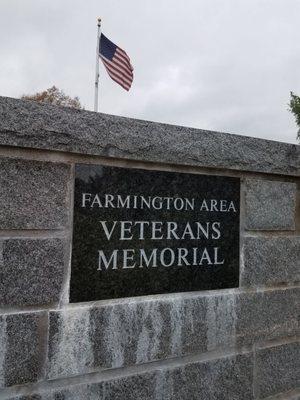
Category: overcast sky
[225,65]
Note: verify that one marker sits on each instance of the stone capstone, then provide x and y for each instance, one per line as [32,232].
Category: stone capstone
[42,126]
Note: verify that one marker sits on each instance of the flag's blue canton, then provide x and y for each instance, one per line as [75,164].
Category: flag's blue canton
[107,48]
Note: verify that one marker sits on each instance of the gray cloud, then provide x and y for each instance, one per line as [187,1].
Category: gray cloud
[213,64]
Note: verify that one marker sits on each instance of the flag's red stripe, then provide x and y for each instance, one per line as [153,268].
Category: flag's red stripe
[121,57]
[121,70]
[118,66]
[123,53]
[120,83]
[118,70]
[121,64]
[125,86]
[121,61]
[118,80]
[126,78]
[117,77]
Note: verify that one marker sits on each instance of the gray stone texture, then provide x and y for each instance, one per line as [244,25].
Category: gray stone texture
[21,348]
[33,195]
[231,380]
[271,260]
[270,205]
[295,397]
[267,315]
[290,395]
[33,125]
[227,378]
[31,272]
[131,332]
[43,396]
[278,369]
[140,331]
[112,335]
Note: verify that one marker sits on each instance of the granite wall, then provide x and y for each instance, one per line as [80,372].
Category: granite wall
[231,344]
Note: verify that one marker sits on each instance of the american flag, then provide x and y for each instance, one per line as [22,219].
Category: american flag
[116,62]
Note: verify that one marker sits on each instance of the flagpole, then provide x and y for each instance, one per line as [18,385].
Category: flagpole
[97,65]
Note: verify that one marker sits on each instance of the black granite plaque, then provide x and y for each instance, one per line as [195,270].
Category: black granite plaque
[140,232]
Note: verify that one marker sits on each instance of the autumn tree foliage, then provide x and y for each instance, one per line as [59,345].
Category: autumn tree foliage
[55,96]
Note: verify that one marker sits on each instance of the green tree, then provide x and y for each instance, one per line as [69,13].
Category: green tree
[294,107]
[55,96]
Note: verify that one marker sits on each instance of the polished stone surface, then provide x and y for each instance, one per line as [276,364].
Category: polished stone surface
[199,250]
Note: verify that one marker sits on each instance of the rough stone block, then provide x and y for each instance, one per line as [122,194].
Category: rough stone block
[151,330]
[267,315]
[31,271]
[130,332]
[132,387]
[139,331]
[21,349]
[270,205]
[45,396]
[271,260]
[278,369]
[226,378]
[34,194]
[70,349]
[139,386]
